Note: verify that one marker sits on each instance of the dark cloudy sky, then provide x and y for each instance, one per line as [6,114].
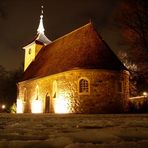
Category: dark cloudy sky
[19,20]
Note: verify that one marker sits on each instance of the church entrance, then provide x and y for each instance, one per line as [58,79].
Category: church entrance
[26,102]
[47,103]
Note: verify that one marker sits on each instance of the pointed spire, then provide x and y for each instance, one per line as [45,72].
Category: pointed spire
[41,26]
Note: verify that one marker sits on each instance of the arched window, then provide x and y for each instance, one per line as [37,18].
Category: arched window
[25,94]
[84,86]
[37,92]
[54,89]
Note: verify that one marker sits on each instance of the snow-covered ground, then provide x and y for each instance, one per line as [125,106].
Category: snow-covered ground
[73,131]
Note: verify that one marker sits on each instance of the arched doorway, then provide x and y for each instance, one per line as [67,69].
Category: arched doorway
[26,102]
[47,103]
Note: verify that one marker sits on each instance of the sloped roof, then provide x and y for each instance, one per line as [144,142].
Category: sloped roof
[82,48]
[40,38]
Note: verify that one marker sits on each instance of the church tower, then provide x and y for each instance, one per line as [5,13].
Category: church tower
[33,48]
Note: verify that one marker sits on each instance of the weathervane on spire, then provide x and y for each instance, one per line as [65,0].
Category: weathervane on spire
[41,26]
[42,7]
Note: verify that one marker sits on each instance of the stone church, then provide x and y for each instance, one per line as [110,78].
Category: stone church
[76,73]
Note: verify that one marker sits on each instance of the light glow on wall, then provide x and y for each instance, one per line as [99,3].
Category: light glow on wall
[19,104]
[61,105]
[36,106]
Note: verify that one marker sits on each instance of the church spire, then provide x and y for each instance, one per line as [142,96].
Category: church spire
[41,26]
[33,48]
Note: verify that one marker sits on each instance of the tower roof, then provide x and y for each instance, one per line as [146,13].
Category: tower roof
[41,26]
[40,37]
[82,48]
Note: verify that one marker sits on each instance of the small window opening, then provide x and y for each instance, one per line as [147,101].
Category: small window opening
[29,51]
[83,86]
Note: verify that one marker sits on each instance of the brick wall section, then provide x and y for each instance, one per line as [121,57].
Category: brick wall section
[103,96]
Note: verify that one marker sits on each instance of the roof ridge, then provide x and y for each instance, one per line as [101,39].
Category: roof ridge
[90,23]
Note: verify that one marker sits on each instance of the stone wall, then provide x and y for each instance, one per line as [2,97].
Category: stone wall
[103,97]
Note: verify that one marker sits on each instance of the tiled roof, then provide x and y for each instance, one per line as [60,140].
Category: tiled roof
[82,48]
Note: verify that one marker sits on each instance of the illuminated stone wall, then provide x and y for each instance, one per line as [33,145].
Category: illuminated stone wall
[103,98]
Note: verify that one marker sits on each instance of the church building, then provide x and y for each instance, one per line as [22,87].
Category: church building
[76,73]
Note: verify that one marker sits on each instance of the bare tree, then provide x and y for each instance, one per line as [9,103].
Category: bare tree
[8,88]
[132,18]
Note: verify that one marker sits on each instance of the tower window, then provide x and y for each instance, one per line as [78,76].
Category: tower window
[29,51]
[83,86]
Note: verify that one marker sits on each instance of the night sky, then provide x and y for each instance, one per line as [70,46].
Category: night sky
[19,20]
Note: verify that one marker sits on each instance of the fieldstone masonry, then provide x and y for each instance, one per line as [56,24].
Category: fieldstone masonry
[103,97]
